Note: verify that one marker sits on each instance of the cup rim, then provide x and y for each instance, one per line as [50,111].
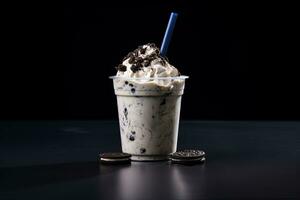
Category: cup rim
[182,77]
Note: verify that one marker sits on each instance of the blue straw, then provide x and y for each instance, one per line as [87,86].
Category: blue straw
[168,34]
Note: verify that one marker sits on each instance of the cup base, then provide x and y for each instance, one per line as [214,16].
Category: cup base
[149,158]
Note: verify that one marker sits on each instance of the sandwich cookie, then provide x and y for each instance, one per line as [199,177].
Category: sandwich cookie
[188,156]
[115,158]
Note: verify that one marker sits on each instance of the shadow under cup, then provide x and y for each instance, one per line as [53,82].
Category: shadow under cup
[149,110]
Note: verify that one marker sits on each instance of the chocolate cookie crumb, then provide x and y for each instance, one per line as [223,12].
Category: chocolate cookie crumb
[137,63]
[126,82]
[130,85]
[143,50]
[163,102]
[125,113]
[131,138]
[136,52]
[131,60]
[136,67]
[146,63]
[139,60]
[121,68]
[142,150]
[132,90]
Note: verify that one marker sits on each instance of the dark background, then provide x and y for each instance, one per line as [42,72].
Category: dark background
[241,58]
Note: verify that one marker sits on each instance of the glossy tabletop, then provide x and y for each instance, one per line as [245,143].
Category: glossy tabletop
[58,160]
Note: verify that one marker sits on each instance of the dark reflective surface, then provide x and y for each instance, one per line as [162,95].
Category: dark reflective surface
[158,180]
[32,176]
[58,160]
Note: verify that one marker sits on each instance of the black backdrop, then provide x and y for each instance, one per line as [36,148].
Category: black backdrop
[240,58]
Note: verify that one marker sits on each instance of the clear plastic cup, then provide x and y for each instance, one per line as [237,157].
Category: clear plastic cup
[149,110]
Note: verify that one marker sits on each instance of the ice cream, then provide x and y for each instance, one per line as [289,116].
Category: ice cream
[149,91]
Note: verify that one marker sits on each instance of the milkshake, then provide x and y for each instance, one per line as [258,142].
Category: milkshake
[148,91]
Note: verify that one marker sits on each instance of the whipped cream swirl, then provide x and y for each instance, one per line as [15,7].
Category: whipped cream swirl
[146,62]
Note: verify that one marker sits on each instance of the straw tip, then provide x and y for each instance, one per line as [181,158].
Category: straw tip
[174,14]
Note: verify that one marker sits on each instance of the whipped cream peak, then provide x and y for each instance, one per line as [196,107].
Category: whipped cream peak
[146,62]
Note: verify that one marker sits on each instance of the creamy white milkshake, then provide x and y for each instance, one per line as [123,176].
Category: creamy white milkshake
[148,91]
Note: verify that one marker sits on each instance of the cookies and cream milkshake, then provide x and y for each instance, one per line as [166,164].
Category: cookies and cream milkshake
[148,90]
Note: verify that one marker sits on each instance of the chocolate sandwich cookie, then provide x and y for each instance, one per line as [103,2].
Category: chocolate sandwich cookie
[115,158]
[188,156]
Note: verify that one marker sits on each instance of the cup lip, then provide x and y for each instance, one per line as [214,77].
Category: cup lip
[182,77]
